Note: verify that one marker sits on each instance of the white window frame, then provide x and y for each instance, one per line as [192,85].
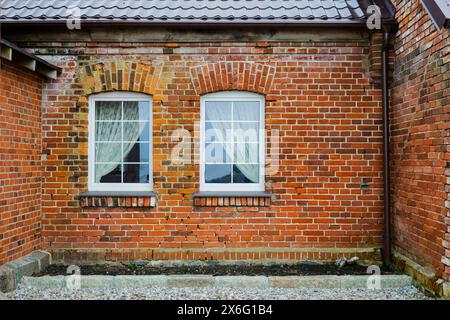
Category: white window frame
[117,96]
[233,96]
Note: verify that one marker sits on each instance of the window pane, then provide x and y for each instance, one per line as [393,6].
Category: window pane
[218,111]
[248,173]
[108,152]
[218,173]
[218,153]
[136,173]
[246,153]
[246,132]
[136,152]
[136,130]
[217,131]
[108,173]
[122,142]
[108,131]
[136,110]
[108,110]
[246,111]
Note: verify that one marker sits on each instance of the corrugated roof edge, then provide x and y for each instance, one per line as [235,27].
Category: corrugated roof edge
[386,7]
[180,23]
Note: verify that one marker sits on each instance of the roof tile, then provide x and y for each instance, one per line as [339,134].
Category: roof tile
[235,11]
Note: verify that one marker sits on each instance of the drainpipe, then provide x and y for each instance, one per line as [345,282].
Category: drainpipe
[386,153]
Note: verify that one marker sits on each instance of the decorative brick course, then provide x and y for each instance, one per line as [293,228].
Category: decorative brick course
[233,75]
[119,75]
[231,201]
[186,253]
[118,201]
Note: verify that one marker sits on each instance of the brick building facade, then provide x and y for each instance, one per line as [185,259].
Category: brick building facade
[319,209]
[419,139]
[323,103]
[20,168]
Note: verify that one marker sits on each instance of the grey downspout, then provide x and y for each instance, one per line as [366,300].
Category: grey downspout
[387,254]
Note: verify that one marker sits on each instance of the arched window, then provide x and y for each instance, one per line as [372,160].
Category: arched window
[232,141]
[120,142]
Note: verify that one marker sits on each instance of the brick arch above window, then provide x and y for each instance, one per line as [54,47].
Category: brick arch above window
[119,76]
[232,75]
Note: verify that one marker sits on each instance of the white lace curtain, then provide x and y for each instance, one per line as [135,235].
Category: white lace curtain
[112,131]
[244,150]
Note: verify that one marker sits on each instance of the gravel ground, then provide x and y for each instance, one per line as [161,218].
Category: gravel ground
[159,293]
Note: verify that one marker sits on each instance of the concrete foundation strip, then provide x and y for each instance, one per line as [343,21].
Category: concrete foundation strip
[3,296]
[12,273]
[180,281]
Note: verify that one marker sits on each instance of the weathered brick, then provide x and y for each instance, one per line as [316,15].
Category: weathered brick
[419,115]
[20,161]
[320,98]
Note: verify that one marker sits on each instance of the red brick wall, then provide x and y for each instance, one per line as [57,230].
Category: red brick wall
[20,162]
[420,131]
[322,100]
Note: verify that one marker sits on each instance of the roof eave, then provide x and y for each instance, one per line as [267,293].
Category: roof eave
[11,52]
[438,16]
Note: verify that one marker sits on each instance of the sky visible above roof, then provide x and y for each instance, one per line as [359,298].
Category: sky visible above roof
[194,11]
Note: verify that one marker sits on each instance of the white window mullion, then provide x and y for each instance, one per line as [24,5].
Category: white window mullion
[232,142]
[94,148]
[122,166]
